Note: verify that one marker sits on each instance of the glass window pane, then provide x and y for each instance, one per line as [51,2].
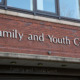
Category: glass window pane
[70,8]
[46,5]
[0,0]
[23,4]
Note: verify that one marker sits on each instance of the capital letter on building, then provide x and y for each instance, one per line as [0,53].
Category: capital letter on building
[76,41]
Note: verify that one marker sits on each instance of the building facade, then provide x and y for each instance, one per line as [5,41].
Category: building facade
[39,39]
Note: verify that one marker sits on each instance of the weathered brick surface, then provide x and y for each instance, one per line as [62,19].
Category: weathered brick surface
[28,26]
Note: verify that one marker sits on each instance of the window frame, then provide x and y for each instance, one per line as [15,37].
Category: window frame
[35,11]
[19,9]
[2,2]
[3,5]
[41,12]
[66,17]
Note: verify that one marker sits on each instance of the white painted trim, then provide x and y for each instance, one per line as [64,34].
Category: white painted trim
[39,18]
[37,57]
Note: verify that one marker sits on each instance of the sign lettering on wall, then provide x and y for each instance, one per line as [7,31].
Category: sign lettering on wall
[14,34]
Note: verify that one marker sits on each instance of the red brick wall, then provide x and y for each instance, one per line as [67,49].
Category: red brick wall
[29,26]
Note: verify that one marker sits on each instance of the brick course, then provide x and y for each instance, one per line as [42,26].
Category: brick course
[36,27]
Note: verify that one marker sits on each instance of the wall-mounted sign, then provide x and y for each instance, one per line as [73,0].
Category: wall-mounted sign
[14,34]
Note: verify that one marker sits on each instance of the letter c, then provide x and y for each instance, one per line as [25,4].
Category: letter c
[76,39]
